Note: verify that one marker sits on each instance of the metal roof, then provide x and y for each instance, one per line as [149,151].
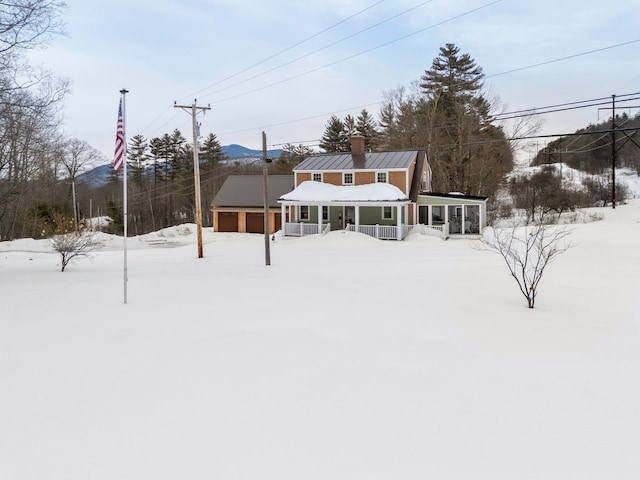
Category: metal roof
[358,161]
[247,190]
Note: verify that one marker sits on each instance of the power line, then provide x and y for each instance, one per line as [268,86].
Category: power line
[264,60]
[507,115]
[563,58]
[332,44]
[313,70]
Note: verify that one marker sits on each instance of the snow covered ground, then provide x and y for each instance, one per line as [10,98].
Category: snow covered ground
[347,358]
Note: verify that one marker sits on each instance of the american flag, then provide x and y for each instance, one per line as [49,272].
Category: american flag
[120,141]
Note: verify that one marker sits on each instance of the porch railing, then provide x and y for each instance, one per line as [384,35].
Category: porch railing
[382,232]
[300,229]
[440,231]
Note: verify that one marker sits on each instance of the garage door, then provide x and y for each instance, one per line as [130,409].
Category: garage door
[255,223]
[227,222]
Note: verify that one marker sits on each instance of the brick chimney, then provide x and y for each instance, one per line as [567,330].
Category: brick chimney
[357,144]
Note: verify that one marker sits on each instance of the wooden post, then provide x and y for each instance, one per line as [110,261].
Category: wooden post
[196,170]
[265,180]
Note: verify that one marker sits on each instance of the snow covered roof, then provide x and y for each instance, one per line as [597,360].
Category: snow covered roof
[324,192]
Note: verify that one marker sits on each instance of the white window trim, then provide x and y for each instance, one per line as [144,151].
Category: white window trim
[325,219]
[393,214]
[317,173]
[386,175]
[353,178]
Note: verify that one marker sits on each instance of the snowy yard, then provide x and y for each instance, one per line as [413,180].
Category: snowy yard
[347,358]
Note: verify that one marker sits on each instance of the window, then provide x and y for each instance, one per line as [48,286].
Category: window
[304,212]
[317,177]
[381,177]
[325,213]
[437,215]
[387,213]
[347,178]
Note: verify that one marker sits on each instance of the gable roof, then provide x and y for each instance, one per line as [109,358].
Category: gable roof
[247,191]
[358,161]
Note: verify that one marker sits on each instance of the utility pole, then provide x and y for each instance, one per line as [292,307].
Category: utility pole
[196,167]
[613,151]
[265,182]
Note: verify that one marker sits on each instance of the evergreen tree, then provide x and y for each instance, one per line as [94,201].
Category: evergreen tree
[452,74]
[349,126]
[366,126]
[449,116]
[211,153]
[137,155]
[335,137]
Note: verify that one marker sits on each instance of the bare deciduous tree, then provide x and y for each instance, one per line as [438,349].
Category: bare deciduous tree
[72,245]
[527,251]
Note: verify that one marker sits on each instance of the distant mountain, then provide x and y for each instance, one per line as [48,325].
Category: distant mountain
[235,152]
[96,177]
[99,176]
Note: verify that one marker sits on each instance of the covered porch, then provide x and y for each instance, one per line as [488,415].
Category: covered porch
[379,220]
[378,210]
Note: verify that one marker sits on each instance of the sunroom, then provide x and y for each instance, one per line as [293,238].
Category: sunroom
[459,214]
[379,210]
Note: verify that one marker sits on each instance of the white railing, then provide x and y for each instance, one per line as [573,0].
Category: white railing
[440,231]
[382,232]
[302,229]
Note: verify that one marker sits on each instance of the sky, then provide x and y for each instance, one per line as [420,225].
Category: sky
[284,67]
[346,358]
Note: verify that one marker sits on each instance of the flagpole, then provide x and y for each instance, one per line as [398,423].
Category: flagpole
[123,92]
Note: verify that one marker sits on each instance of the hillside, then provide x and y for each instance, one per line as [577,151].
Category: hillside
[589,149]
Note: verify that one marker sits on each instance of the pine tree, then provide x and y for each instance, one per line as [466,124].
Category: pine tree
[211,153]
[366,126]
[454,74]
[469,154]
[137,155]
[349,126]
[335,138]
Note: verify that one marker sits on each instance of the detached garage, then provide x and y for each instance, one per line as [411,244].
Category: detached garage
[239,205]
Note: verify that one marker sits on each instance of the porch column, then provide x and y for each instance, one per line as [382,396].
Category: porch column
[462,225]
[319,218]
[357,218]
[399,222]
[283,213]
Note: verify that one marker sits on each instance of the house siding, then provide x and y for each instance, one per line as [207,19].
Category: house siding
[334,178]
[399,179]
[302,177]
[364,178]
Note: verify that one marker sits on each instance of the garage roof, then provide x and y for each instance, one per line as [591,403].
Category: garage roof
[247,191]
